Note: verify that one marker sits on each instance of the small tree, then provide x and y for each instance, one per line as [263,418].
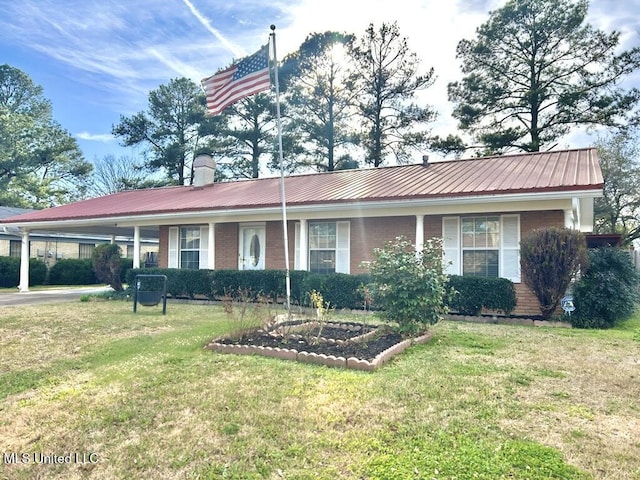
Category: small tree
[409,286]
[107,265]
[550,258]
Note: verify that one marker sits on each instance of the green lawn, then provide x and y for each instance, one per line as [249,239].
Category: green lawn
[141,394]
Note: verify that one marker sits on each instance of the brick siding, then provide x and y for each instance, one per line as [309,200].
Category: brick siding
[365,235]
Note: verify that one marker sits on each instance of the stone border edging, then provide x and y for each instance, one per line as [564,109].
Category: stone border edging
[279,327]
[320,358]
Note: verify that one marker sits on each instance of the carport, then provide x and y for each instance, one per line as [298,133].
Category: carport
[121,229]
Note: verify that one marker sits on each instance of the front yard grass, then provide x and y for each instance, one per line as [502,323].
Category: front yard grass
[479,401]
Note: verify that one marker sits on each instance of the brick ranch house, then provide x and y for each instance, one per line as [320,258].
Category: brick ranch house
[481,207]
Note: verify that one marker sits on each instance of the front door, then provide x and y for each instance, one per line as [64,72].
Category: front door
[252,247]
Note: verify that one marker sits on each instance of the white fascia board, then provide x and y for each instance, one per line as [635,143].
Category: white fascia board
[454,205]
[434,206]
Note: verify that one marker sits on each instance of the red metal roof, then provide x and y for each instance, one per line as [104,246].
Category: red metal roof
[557,171]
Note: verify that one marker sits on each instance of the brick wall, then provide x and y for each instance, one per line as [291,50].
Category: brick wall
[163,247]
[369,233]
[532,220]
[274,259]
[226,242]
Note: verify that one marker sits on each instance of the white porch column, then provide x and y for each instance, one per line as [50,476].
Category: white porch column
[419,233]
[136,247]
[24,262]
[211,247]
[304,244]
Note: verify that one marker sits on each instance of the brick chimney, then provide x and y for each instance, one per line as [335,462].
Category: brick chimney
[204,169]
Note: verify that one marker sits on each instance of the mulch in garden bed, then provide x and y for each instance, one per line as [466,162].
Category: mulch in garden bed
[336,340]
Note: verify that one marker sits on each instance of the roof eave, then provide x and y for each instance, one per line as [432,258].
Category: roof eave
[383,204]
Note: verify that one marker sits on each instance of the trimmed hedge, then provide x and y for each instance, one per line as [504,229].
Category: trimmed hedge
[72,271]
[37,272]
[341,290]
[472,294]
[10,272]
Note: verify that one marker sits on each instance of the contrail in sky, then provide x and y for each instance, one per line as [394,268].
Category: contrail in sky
[237,52]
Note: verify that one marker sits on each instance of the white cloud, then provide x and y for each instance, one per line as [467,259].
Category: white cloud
[95,137]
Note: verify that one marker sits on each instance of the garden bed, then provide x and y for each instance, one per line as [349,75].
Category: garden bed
[348,345]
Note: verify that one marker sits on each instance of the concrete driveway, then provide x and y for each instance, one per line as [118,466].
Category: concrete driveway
[57,295]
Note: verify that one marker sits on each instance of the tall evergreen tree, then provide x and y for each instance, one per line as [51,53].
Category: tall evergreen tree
[534,70]
[40,162]
[245,138]
[393,124]
[320,85]
[170,129]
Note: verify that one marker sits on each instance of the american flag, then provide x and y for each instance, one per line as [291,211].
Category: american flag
[247,77]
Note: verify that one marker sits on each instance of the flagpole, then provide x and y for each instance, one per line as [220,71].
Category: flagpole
[282,190]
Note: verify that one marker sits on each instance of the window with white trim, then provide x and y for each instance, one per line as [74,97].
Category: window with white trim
[328,247]
[484,246]
[480,246]
[187,247]
[322,247]
[190,247]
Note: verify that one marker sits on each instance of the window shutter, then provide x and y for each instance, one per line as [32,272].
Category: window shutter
[451,244]
[203,259]
[510,248]
[172,261]
[342,247]
[296,256]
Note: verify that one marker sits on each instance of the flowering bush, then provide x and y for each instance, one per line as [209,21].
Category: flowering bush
[408,286]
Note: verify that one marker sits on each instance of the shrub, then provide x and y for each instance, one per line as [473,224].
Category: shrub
[472,294]
[9,272]
[106,260]
[125,264]
[72,271]
[37,272]
[339,290]
[607,291]
[252,283]
[409,287]
[550,258]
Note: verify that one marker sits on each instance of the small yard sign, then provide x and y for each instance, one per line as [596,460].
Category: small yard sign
[567,304]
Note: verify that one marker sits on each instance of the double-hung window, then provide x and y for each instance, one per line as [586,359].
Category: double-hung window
[482,246]
[322,247]
[327,247]
[190,247]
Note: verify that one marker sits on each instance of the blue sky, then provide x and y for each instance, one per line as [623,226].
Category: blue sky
[98,59]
